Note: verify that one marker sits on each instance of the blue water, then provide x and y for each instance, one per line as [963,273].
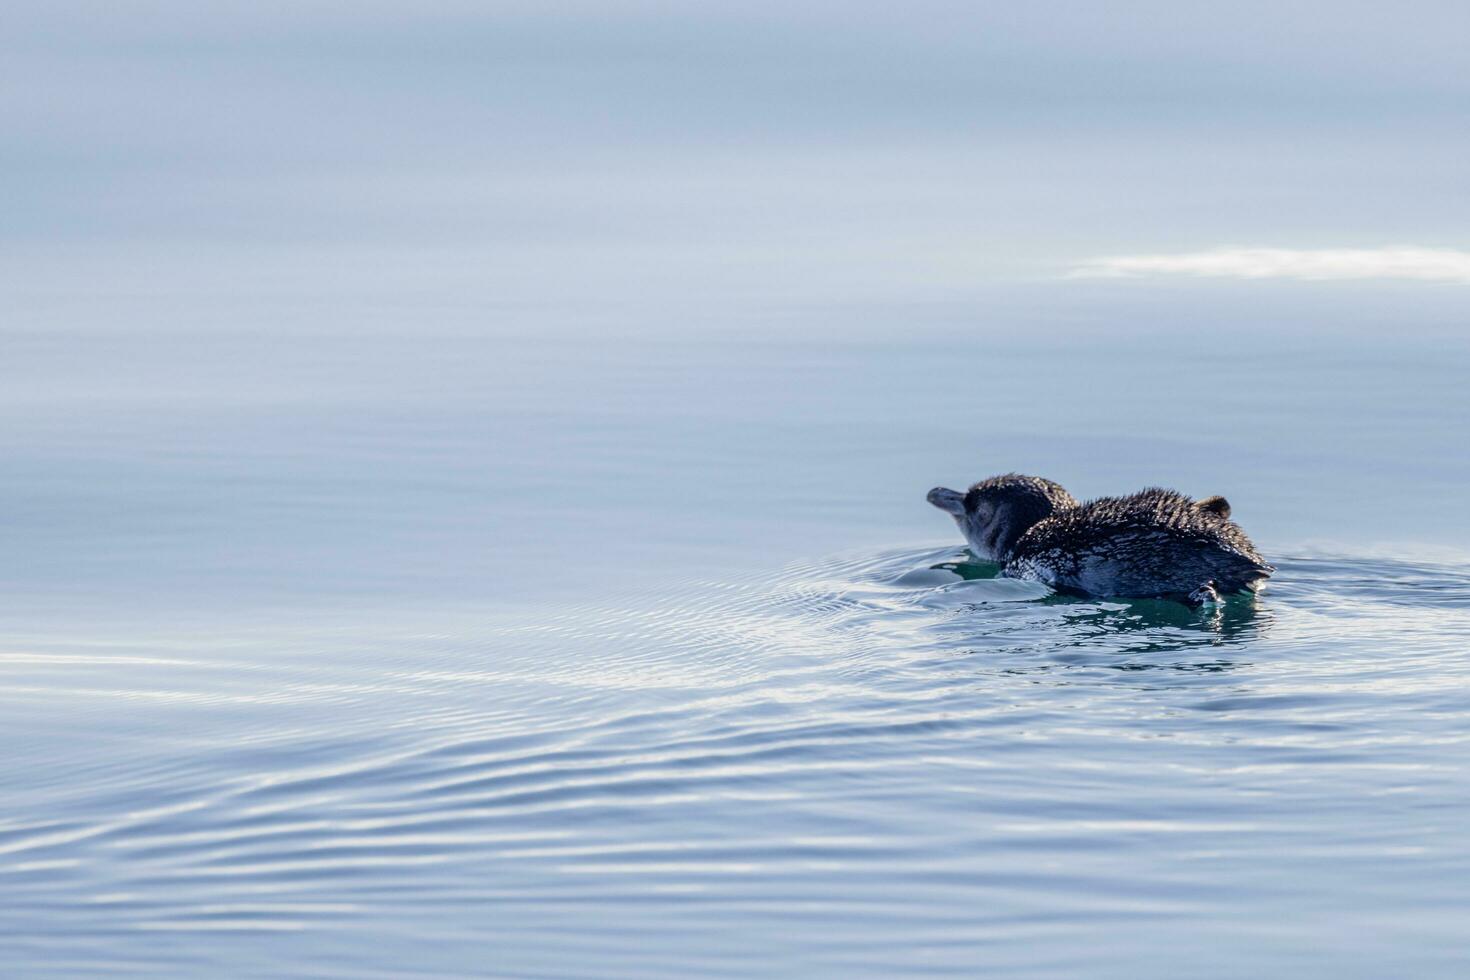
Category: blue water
[564,652]
[462,475]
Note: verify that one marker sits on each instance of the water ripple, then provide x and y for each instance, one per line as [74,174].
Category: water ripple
[897,740]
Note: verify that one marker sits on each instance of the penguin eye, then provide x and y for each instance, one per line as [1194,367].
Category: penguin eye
[972,501]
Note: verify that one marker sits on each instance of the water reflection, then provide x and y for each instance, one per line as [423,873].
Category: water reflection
[1238,619]
[970,568]
[1120,627]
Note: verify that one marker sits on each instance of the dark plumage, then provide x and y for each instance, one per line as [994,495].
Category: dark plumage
[994,513]
[1153,543]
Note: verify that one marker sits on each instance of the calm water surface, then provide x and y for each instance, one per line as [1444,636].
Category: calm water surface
[462,474]
[598,651]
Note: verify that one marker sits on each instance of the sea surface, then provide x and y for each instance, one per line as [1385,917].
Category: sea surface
[510,642]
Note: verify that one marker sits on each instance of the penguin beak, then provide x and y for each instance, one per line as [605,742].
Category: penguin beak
[947,500]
